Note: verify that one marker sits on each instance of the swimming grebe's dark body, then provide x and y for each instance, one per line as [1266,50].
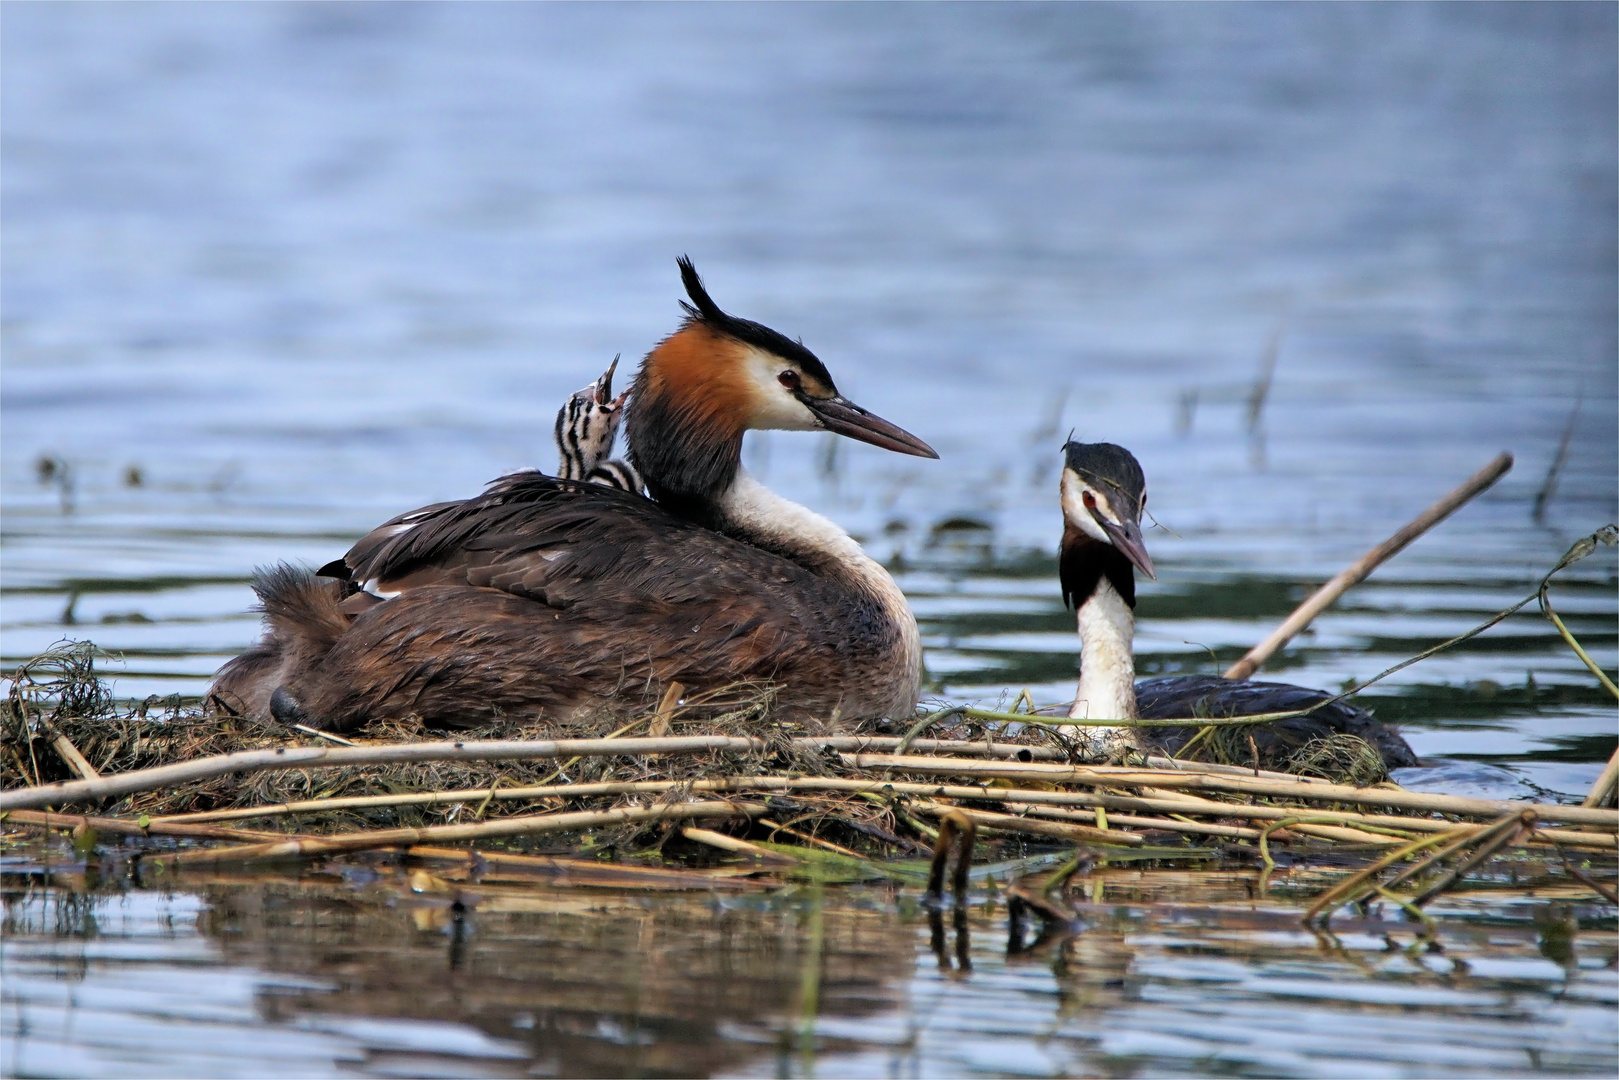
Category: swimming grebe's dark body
[1181,696]
[543,594]
[1103,494]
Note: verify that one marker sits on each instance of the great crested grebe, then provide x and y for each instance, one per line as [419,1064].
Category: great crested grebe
[543,594]
[1103,494]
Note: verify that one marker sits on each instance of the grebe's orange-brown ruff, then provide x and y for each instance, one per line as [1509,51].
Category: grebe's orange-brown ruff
[543,594]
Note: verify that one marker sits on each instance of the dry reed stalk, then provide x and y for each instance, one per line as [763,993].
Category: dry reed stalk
[659,727]
[1490,838]
[1188,828]
[1358,882]
[1056,830]
[1323,792]
[75,760]
[1510,824]
[1602,889]
[1191,804]
[1486,849]
[323,757]
[1357,571]
[1126,722]
[487,866]
[1151,799]
[122,827]
[1572,838]
[1200,829]
[1216,769]
[327,735]
[372,802]
[485,830]
[1311,826]
[732,844]
[877,743]
[814,841]
[733,784]
[1603,788]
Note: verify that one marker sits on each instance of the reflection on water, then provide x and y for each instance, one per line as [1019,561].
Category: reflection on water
[1172,972]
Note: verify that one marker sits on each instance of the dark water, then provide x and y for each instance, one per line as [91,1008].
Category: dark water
[274,273]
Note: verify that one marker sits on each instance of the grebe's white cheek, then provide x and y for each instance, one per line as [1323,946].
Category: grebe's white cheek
[1073,506]
[775,408]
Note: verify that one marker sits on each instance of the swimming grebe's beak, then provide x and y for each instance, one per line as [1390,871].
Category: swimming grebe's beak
[1127,538]
[843,416]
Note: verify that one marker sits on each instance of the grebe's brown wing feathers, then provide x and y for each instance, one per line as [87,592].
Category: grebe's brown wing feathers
[373,542]
[587,592]
[565,542]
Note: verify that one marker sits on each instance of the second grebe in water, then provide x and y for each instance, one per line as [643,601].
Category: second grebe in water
[1103,494]
[543,595]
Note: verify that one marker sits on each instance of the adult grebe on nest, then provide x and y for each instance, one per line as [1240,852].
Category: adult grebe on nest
[1103,494]
[544,594]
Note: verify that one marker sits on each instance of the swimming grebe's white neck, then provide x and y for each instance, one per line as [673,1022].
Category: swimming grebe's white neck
[1107,670]
[1107,675]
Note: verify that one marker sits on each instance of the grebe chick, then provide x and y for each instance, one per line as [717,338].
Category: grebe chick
[1103,494]
[544,595]
[586,426]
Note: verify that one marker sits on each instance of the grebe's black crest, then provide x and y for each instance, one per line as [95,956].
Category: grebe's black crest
[746,331]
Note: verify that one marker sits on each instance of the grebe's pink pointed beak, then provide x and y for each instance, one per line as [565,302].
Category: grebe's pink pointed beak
[843,416]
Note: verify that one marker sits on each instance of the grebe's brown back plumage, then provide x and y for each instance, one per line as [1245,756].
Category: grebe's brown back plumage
[544,594]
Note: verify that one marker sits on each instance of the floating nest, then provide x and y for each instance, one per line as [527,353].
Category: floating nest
[60,694]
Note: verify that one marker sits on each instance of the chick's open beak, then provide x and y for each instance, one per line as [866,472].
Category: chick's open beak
[843,416]
[604,385]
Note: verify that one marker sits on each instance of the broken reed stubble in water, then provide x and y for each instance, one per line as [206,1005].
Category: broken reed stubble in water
[1358,571]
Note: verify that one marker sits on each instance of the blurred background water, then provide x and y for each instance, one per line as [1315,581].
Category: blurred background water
[273,273]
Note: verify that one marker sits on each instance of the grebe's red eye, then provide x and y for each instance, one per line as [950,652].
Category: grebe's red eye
[789,379]
[1090,501]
